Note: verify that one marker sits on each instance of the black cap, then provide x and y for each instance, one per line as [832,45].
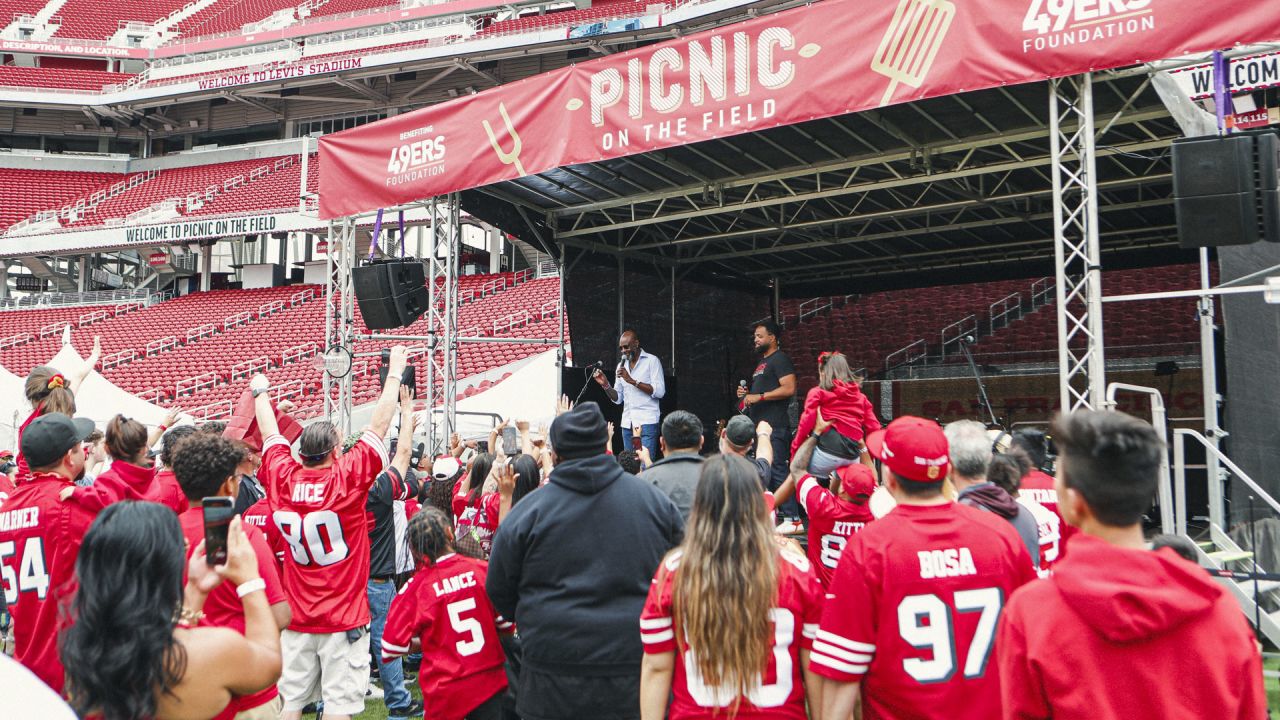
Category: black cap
[50,436]
[740,431]
[581,432]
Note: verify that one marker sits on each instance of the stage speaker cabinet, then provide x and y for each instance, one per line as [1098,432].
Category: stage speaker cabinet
[1226,190]
[390,294]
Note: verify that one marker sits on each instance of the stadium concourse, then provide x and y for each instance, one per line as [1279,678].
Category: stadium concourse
[894,223]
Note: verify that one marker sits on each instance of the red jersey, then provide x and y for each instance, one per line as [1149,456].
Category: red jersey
[832,521]
[1039,487]
[24,470]
[913,608]
[1112,627]
[844,406]
[223,607]
[480,520]
[39,540]
[445,606]
[126,481]
[779,691]
[320,512]
[259,516]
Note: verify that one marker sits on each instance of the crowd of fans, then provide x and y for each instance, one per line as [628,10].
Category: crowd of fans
[935,572]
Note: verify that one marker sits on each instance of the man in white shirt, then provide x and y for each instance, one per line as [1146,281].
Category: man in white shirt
[638,388]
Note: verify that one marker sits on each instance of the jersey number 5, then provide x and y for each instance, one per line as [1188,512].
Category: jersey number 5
[306,535]
[31,573]
[468,626]
[926,622]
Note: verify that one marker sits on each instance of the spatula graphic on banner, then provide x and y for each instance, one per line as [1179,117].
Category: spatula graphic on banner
[911,43]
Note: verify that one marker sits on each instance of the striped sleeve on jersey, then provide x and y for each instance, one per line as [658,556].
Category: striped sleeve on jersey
[376,443]
[839,654]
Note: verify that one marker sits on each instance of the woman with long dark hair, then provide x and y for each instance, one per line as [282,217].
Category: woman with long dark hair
[519,478]
[728,609]
[475,511]
[134,649]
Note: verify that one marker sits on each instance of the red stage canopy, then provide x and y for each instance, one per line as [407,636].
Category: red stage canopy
[826,59]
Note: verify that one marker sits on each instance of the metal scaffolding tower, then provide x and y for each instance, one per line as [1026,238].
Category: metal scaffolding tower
[1078,264]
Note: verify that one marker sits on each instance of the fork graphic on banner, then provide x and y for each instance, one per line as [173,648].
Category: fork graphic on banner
[911,43]
[507,158]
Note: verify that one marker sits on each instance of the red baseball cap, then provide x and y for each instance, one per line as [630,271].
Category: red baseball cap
[913,448]
[857,481]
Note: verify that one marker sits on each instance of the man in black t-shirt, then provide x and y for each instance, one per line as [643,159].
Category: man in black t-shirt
[396,483]
[773,384]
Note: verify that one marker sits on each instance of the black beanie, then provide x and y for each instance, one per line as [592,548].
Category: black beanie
[581,432]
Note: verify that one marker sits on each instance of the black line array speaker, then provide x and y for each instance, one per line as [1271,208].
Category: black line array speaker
[390,294]
[1226,190]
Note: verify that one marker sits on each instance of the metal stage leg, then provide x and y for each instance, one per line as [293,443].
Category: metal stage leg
[442,325]
[1081,365]
[339,319]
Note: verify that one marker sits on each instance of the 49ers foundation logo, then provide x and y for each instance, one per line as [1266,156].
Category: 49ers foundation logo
[1061,23]
[421,155]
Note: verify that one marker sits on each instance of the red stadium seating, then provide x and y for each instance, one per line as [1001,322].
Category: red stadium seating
[57,188]
[195,351]
[261,186]
[339,7]
[96,20]
[599,11]
[227,16]
[13,76]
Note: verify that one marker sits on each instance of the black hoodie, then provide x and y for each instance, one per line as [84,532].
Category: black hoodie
[572,564]
[993,498]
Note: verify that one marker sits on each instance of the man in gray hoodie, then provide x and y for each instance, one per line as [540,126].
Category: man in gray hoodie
[970,455]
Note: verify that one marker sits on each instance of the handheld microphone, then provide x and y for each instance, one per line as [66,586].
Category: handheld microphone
[743,409]
[742,384]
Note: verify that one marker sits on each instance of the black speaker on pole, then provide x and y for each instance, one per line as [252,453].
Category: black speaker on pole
[1226,190]
[390,294]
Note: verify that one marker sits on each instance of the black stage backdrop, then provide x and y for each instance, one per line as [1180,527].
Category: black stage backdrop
[1252,410]
[712,328]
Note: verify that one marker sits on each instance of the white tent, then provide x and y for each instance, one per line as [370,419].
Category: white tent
[13,408]
[529,394]
[98,398]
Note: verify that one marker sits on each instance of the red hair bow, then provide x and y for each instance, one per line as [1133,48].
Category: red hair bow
[56,381]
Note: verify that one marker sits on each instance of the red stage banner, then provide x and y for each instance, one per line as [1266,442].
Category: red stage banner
[826,59]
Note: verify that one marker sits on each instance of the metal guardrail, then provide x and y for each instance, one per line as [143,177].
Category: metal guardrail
[54,328]
[154,395]
[1042,292]
[155,347]
[298,352]
[909,355]
[237,320]
[811,307]
[514,320]
[1160,422]
[287,390]
[202,331]
[267,309]
[195,383]
[213,411]
[956,332]
[1005,310]
[249,367]
[96,297]
[117,359]
[14,340]
[92,317]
